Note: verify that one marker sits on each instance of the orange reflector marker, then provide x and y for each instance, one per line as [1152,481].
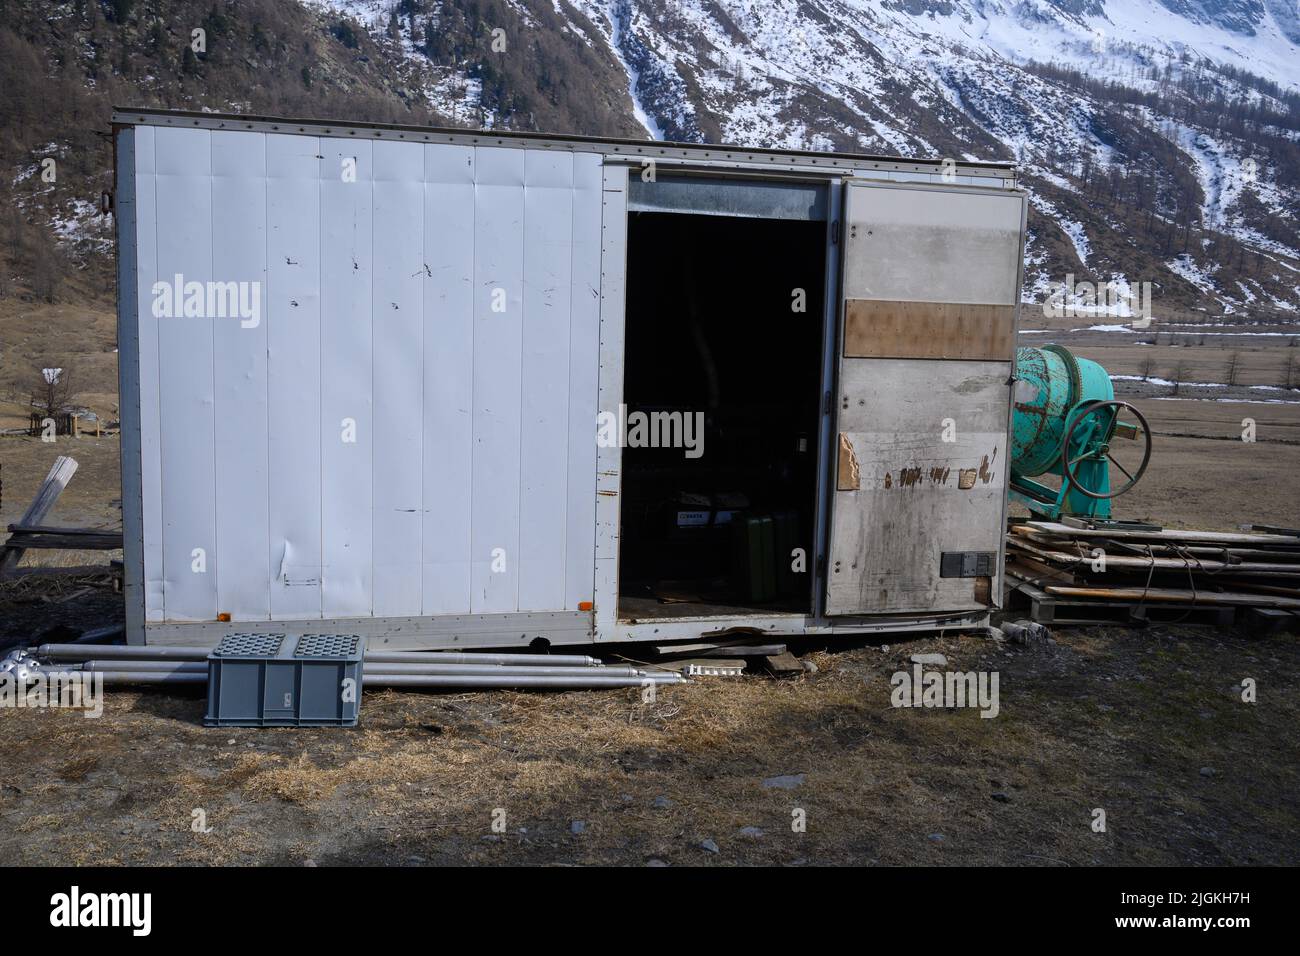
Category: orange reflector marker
[585,605]
[223,616]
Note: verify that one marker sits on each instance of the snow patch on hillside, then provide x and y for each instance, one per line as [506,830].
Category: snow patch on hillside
[1218,171]
[616,39]
[1185,267]
[1072,228]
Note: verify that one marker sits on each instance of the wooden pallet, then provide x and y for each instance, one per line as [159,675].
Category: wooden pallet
[1053,609]
[1073,572]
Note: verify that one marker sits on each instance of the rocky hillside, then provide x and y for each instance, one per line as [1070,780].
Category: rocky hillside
[1160,138]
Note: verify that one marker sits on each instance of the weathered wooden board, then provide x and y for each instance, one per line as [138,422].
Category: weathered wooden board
[80,539]
[1176,595]
[928,330]
[1190,537]
[1129,562]
[61,473]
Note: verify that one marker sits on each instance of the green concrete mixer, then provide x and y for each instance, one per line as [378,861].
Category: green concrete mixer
[1066,419]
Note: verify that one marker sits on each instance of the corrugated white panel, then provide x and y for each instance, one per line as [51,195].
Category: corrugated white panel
[397,310]
[239,370]
[448,376]
[184,195]
[405,426]
[544,426]
[146,206]
[347,419]
[584,367]
[498,336]
[293,375]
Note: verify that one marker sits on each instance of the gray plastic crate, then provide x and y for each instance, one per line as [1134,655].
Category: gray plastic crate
[270,680]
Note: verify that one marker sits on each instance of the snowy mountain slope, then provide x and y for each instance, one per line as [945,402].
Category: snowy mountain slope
[1259,37]
[1158,137]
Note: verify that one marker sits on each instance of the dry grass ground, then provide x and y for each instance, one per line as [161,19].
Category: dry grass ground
[1119,720]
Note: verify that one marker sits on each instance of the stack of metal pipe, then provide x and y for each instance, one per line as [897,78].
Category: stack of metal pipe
[160,664]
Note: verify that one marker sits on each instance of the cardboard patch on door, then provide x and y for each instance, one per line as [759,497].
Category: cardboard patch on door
[850,475]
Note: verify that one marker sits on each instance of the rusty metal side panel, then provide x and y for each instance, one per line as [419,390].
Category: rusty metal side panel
[927,444]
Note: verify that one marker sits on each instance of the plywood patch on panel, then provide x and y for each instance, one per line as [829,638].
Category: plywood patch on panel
[928,330]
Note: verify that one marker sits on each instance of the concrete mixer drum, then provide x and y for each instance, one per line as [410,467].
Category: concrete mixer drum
[1066,421]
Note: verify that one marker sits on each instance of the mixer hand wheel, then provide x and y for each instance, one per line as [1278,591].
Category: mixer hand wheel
[1103,419]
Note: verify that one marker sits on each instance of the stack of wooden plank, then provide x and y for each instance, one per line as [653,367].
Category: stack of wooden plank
[1076,572]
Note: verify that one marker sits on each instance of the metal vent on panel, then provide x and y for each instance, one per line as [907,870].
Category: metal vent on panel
[249,645]
[327,645]
[966,564]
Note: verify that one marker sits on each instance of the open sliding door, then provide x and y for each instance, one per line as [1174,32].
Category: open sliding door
[927,340]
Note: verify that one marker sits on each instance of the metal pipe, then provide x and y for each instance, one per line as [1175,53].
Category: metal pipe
[161,667]
[78,652]
[522,680]
[137,677]
[484,681]
[457,657]
[381,667]
[88,652]
[110,632]
[497,670]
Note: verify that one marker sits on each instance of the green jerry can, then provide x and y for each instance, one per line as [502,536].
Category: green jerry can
[752,558]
